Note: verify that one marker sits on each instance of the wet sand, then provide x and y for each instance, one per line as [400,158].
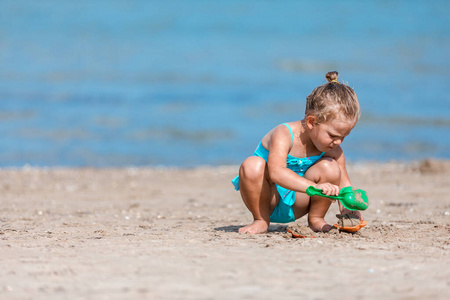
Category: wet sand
[163,233]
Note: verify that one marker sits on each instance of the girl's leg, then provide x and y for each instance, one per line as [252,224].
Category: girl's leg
[258,193]
[325,170]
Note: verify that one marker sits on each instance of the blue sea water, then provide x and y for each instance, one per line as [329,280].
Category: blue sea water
[186,83]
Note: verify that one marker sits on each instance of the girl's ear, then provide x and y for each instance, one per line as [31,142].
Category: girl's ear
[311,121]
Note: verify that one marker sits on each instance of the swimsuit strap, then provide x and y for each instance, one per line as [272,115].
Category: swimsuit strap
[290,130]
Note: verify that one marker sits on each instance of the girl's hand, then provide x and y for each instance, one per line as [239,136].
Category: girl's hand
[355,213]
[328,189]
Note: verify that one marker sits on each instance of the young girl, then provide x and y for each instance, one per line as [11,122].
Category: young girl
[296,155]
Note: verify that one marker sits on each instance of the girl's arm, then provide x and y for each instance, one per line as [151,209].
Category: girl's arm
[338,155]
[280,145]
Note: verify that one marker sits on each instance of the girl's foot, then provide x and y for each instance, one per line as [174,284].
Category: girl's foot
[258,226]
[319,225]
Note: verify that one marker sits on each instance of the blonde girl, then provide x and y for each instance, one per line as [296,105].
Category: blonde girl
[296,155]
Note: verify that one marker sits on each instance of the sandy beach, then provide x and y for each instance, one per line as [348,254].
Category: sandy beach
[167,233]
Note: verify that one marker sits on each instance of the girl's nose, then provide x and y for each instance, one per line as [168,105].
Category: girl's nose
[337,142]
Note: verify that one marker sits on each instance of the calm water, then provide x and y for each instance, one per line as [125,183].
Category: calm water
[118,83]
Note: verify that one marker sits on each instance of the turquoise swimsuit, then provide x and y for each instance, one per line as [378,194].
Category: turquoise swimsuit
[283,212]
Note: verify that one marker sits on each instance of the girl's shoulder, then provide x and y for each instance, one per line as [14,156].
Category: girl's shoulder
[282,133]
[288,130]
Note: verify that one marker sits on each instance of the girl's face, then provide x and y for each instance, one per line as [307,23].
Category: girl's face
[330,134]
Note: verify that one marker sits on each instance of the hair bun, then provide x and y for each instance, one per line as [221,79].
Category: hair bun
[332,76]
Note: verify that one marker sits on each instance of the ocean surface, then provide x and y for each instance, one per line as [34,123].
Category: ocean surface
[185,83]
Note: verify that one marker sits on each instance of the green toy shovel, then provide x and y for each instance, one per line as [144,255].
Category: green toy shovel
[352,199]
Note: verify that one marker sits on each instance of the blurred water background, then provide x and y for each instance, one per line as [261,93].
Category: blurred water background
[186,83]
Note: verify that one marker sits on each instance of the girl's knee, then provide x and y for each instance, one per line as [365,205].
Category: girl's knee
[326,169]
[253,168]
[328,164]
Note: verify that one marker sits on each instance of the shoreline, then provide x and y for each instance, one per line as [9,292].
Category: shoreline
[171,233]
[413,162]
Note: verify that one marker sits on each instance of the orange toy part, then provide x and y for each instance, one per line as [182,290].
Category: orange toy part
[298,236]
[352,228]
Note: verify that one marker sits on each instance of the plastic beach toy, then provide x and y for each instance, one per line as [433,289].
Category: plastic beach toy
[298,236]
[349,223]
[352,199]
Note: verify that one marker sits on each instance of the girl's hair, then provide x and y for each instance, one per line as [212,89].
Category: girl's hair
[333,100]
